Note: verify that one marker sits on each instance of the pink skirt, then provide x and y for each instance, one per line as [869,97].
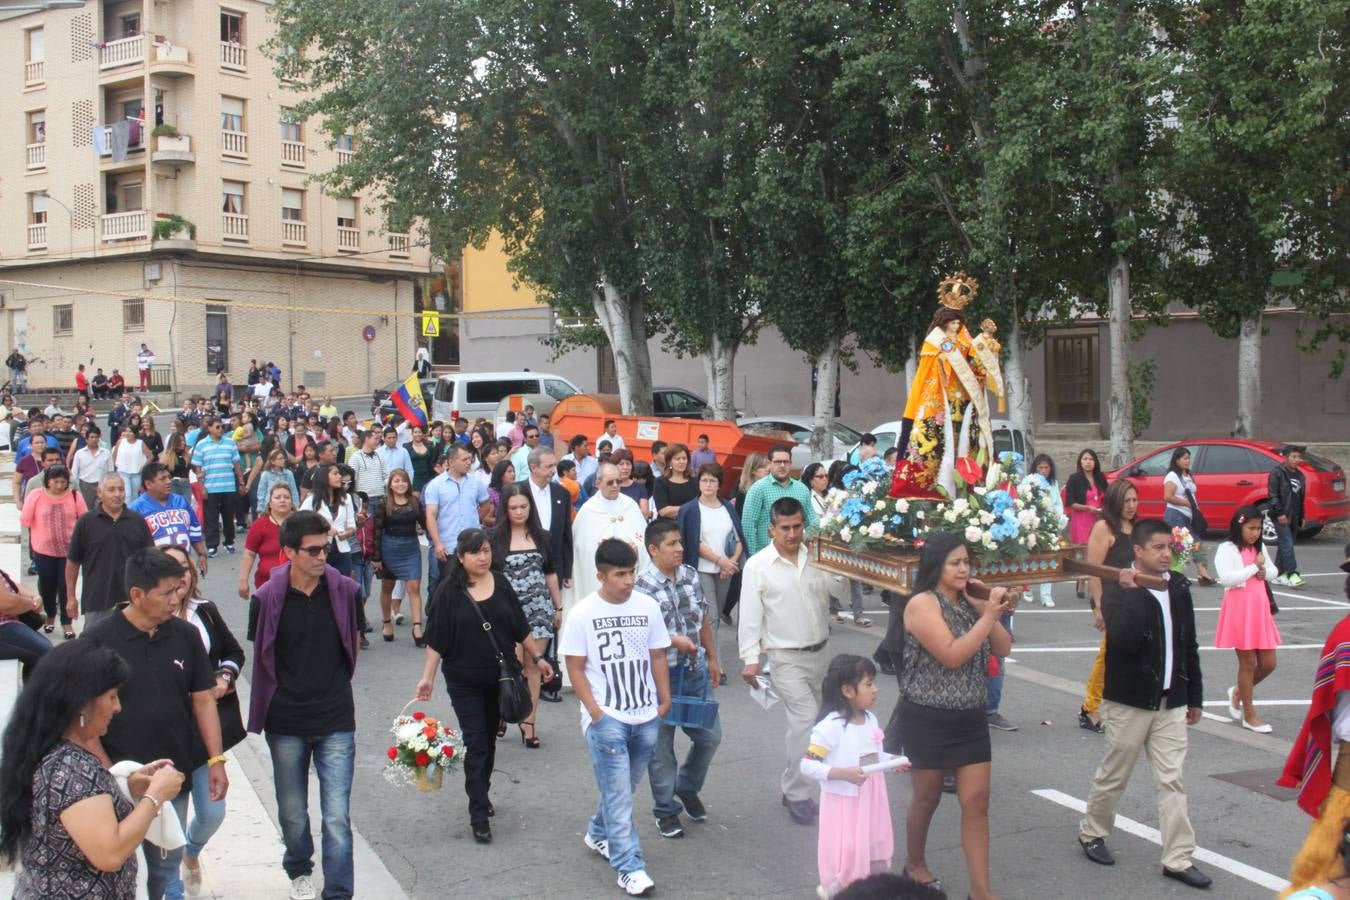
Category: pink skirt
[1245,622]
[1080,525]
[856,838]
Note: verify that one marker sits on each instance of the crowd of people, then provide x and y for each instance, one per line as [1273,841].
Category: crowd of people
[595,565]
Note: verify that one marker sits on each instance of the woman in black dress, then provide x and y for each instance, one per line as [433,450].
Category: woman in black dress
[948,639]
[675,487]
[467,655]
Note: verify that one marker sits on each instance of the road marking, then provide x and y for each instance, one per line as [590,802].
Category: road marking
[1094,648]
[1263,702]
[1256,876]
[1023,612]
[1209,715]
[1340,603]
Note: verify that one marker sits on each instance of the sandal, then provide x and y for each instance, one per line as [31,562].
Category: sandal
[419,639]
[387,632]
[501,728]
[862,622]
[532,742]
[48,628]
[70,635]
[1205,581]
[935,884]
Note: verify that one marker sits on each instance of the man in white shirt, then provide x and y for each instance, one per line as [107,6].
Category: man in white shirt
[612,435]
[785,616]
[144,360]
[89,464]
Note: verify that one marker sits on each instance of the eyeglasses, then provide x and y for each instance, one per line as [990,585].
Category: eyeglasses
[316,552]
[781,462]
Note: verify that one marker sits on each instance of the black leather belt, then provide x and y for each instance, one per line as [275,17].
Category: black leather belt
[811,649]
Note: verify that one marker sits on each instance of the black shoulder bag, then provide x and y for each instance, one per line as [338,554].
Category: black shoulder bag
[513,692]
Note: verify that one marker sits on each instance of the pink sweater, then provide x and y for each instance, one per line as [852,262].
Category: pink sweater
[51,521]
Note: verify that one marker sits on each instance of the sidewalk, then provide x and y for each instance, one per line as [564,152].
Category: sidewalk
[243,860]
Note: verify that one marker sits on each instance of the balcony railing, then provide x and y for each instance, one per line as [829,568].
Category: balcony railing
[35,72]
[234,143]
[37,236]
[234,226]
[293,154]
[349,239]
[233,56]
[125,226]
[124,52]
[37,156]
[345,156]
[398,246]
[292,232]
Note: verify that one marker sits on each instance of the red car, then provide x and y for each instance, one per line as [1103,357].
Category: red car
[1233,472]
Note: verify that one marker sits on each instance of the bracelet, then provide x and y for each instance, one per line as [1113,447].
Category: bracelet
[153,799]
[216,759]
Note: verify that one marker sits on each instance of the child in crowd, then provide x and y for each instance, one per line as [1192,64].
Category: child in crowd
[614,642]
[855,817]
[567,477]
[1044,467]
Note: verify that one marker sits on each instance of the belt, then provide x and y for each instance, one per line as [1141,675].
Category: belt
[814,648]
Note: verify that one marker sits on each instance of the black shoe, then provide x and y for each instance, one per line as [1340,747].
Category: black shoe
[948,783]
[492,810]
[693,807]
[1085,721]
[482,833]
[32,568]
[722,680]
[365,642]
[726,617]
[1189,876]
[670,827]
[550,696]
[803,812]
[884,663]
[1097,851]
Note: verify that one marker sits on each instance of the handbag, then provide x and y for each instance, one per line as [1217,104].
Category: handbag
[1270,595]
[513,692]
[1199,524]
[554,684]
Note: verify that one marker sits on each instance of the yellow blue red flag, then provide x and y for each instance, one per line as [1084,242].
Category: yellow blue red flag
[409,402]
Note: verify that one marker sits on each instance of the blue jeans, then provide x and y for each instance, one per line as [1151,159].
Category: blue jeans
[207,814]
[332,755]
[1285,560]
[993,686]
[162,875]
[18,641]
[667,777]
[619,755]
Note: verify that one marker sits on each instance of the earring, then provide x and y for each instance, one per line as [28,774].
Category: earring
[81,720]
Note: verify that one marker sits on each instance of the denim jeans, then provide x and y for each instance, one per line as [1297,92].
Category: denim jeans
[669,779]
[993,686]
[18,641]
[620,754]
[332,755]
[20,380]
[1285,560]
[162,875]
[207,814]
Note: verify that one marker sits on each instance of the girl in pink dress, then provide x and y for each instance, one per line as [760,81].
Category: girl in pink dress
[855,816]
[1245,622]
[1083,495]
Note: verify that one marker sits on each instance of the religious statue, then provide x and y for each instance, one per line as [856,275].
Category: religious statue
[947,405]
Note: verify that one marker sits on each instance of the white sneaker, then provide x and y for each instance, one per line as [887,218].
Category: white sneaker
[1048,602]
[601,847]
[1282,581]
[636,884]
[302,888]
[192,879]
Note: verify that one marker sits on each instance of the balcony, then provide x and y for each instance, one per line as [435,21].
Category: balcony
[233,56]
[37,156]
[132,148]
[398,246]
[173,149]
[293,154]
[171,61]
[234,143]
[126,52]
[234,226]
[292,233]
[126,226]
[345,156]
[37,236]
[34,72]
[348,239]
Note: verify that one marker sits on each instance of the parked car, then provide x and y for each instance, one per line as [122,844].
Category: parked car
[800,428]
[1233,472]
[674,402]
[1006,438]
[382,407]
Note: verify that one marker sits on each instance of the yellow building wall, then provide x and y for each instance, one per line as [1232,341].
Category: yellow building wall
[487,285]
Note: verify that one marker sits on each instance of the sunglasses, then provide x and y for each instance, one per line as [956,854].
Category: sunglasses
[321,550]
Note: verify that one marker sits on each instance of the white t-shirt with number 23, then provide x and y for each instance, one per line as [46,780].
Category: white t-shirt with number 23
[617,640]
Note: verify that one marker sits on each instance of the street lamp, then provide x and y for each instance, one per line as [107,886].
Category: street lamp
[70,213]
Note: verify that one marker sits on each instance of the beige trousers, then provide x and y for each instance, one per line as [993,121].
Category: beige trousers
[796,678]
[1162,737]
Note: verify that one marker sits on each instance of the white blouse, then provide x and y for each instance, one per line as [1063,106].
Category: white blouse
[835,744]
[1230,571]
[343,520]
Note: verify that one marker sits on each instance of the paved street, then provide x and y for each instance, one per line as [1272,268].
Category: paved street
[750,848]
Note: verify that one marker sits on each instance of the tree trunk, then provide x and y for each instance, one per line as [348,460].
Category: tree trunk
[827,380]
[1120,408]
[1249,378]
[719,367]
[1020,410]
[622,317]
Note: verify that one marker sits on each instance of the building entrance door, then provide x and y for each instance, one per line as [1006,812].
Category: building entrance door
[1071,392]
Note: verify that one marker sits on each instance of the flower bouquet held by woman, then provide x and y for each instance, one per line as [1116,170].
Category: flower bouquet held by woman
[424,750]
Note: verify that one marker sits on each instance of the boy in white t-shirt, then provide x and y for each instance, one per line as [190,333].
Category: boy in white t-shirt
[614,642]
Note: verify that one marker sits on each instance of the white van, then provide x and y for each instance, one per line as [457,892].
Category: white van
[474,395]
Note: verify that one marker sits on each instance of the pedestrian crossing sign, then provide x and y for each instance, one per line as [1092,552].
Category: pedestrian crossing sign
[431,325]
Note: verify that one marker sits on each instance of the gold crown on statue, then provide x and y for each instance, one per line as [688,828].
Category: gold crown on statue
[956,291]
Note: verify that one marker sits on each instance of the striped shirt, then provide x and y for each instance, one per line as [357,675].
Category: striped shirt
[370,473]
[217,459]
[683,606]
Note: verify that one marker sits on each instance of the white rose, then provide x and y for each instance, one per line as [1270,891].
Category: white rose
[845,534]
[981,490]
[989,541]
[869,488]
[949,515]
[1031,539]
[1026,517]
[902,506]
[407,732]
[880,505]
[986,518]
[961,504]
[973,534]
[875,530]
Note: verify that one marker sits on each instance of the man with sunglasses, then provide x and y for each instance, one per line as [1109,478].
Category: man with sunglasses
[304,628]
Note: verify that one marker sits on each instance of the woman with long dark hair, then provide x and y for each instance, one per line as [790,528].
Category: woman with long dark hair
[1043,467]
[396,553]
[422,453]
[1108,544]
[62,814]
[466,652]
[178,457]
[520,552]
[1083,495]
[1179,502]
[503,473]
[330,499]
[949,637]
[817,480]
[1245,622]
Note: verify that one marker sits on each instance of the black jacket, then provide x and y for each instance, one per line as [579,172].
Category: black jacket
[224,647]
[1134,647]
[559,529]
[1283,501]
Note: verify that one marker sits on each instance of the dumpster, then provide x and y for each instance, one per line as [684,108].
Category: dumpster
[543,406]
[586,414]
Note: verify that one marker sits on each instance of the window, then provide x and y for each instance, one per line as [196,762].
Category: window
[346,212]
[292,205]
[133,314]
[37,126]
[345,142]
[37,209]
[679,403]
[494,391]
[231,30]
[37,45]
[131,25]
[290,131]
[1225,459]
[231,114]
[217,338]
[63,319]
[232,197]
[132,196]
[1156,465]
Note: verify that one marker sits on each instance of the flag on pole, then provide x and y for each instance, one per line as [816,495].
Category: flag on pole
[408,401]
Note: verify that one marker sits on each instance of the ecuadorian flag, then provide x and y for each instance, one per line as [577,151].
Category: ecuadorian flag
[408,401]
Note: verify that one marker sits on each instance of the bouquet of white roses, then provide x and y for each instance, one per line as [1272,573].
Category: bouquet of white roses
[424,750]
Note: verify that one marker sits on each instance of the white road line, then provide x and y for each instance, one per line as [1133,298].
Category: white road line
[1094,648]
[1263,702]
[1232,866]
[1340,603]
[1088,612]
[1223,719]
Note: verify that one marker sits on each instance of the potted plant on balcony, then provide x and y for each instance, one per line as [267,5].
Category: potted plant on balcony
[168,139]
[173,227]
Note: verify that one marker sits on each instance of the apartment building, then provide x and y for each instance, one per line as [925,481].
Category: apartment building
[147,147]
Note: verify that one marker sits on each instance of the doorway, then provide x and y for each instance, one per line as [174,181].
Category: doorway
[1072,378]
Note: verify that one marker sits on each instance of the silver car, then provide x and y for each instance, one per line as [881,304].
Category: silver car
[799,428]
